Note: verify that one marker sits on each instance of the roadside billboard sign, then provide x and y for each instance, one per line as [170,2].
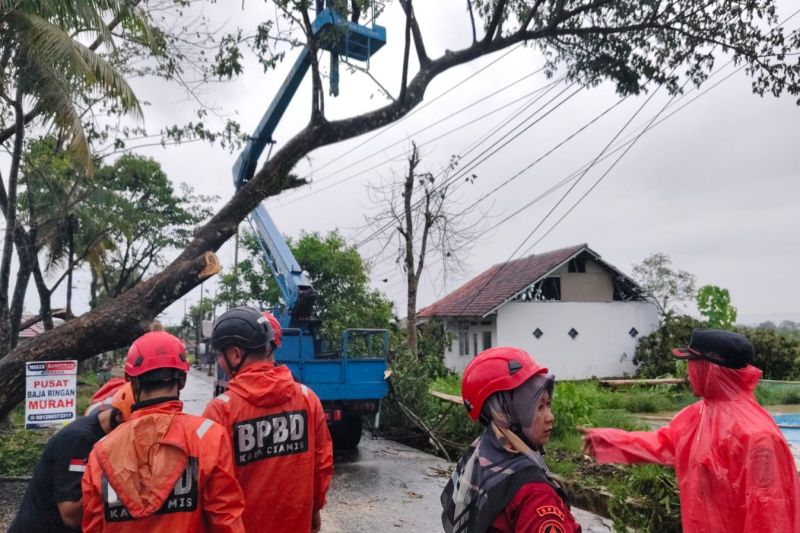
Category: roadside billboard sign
[50,393]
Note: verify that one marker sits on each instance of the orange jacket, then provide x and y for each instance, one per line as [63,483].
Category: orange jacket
[282,449]
[162,471]
[735,471]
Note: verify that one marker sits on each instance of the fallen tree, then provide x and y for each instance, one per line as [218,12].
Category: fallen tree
[630,43]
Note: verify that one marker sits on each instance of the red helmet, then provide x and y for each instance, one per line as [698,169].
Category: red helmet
[276,328]
[153,351]
[496,369]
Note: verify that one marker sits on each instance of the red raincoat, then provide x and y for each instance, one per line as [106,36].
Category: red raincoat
[282,449]
[735,471]
[162,471]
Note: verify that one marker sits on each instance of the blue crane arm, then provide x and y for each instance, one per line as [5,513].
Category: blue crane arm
[291,279]
[292,282]
[245,165]
[346,38]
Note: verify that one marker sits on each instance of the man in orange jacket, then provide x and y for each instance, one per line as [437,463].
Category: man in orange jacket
[281,444]
[162,470]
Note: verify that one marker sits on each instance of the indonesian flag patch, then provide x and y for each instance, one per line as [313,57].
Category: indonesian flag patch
[77,465]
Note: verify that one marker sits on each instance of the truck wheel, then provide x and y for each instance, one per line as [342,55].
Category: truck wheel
[347,434]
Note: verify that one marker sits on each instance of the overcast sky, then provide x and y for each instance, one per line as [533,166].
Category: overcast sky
[715,186]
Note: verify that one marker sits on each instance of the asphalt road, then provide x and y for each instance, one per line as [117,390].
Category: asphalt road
[380,486]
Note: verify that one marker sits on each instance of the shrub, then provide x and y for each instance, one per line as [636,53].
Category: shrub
[777,394]
[20,450]
[572,406]
[655,491]
[654,352]
[412,377]
[777,354]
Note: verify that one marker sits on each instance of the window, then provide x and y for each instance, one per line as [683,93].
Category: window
[475,343]
[487,340]
[463,340]
[577,264]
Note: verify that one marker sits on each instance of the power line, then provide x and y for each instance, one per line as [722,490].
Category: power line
[616,149]
[382,163]
[471,165]
[423,106]
[481,140]
[626,145]
[453,114]
[563,197]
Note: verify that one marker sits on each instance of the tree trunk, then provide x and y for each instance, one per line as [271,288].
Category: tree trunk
[411,315]
[45,310]
[408,235]
[11,223]
[18,300]
[71,262]
[93,289]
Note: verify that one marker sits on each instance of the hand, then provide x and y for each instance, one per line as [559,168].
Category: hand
[586,445]
[316,522]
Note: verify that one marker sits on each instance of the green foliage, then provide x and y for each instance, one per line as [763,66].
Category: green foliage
[581,403]
[448,384]
[44,59]
[412,378]
[616,418]
[20,450]
[714,303]
[338,274]
[573,405]
[654,352]
[250,281]
[121,221]
[654,490]
[146,218]
[664,285]
[777,354]
[777,394]
[341,278]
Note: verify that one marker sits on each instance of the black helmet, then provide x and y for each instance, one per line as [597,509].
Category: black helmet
[242,326]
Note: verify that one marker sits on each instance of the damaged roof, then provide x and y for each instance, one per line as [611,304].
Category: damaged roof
[489,290]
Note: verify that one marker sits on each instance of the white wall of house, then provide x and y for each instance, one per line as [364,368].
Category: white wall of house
[602,348]
[476,332]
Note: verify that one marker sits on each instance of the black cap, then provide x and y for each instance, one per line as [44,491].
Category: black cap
[725,348]
[241,326]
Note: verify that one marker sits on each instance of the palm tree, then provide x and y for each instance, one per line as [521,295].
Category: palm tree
[40,56]
[43,65]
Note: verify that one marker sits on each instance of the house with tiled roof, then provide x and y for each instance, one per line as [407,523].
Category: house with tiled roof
[575,313]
